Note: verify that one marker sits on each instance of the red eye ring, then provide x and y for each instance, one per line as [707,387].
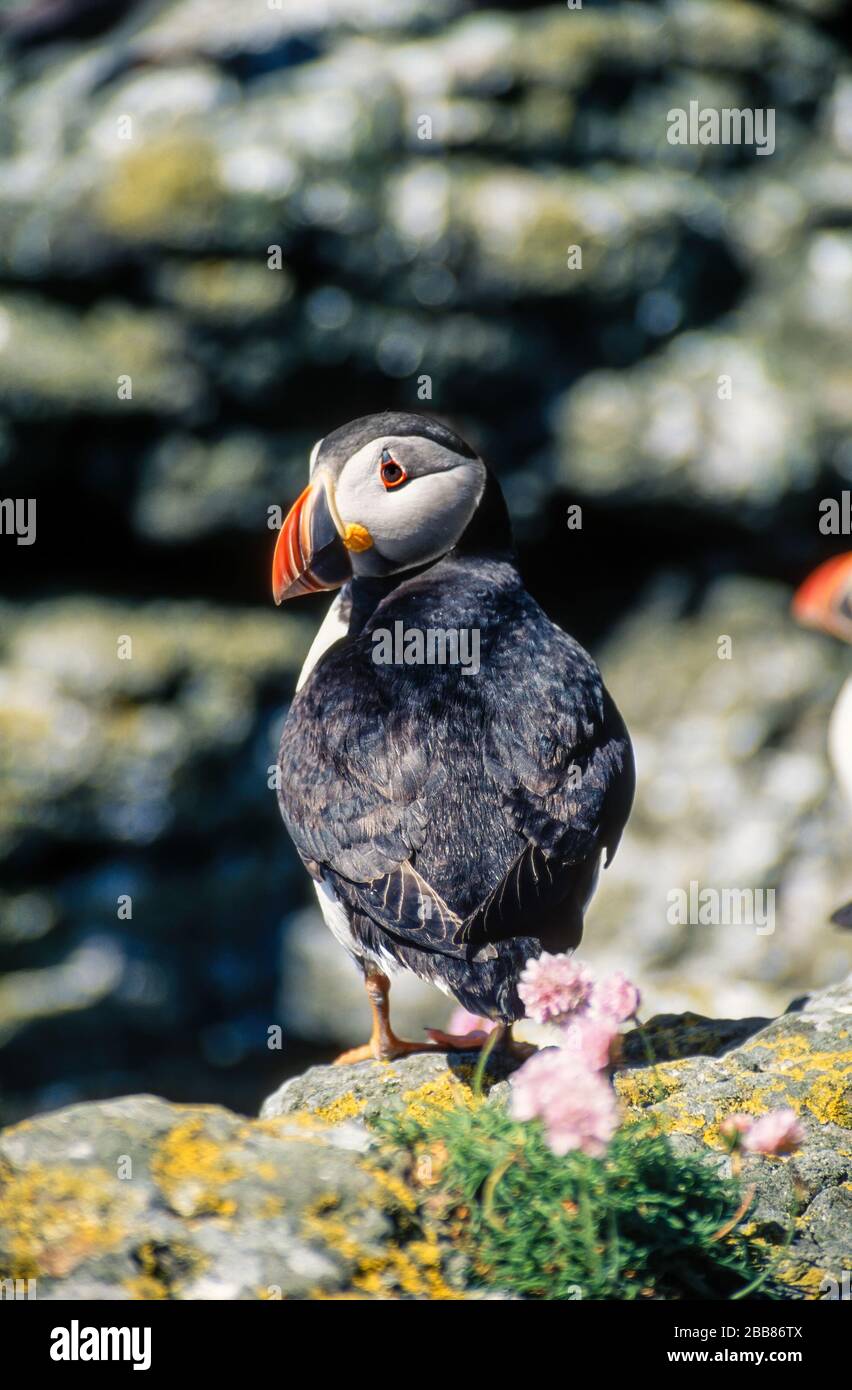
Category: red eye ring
[392,473]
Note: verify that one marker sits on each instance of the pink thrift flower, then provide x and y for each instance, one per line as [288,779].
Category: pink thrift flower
[554,987]
[616,997]
[463,1022]
[779,1132]
[577,1107]
[595,1042]
[735,1126]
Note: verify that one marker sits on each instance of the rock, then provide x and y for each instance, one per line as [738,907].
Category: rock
[707,1069]
[690,1051]
[674,1036]
[140,1198]
[368,1089]
[802,1060]
[151,1200]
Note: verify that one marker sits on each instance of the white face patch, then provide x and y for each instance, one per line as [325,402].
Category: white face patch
[417,521]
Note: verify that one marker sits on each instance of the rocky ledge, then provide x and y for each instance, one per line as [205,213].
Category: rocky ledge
[139,1198]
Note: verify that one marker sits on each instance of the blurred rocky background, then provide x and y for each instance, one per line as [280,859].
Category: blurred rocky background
[226,228]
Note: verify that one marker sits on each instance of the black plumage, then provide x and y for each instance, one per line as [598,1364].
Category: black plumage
[459,819]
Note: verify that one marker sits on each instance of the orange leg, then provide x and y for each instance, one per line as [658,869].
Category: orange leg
[384,1045]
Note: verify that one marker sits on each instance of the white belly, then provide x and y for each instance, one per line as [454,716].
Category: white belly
[840,740]
[336,916]
[337,921]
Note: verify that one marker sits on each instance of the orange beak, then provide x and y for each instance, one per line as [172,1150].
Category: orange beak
[309,554]
[824,600]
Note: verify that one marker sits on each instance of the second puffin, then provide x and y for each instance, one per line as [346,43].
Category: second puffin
[453,815]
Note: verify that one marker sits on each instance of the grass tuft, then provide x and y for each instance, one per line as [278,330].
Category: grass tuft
[642,1222]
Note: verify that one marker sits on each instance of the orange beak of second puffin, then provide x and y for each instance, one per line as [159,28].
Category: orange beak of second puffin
[825,599]
[311,553]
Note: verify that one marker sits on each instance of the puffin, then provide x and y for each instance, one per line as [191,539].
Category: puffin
[452,810]
[824,601]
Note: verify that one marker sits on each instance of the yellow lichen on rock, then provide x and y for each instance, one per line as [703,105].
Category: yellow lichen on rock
[157,1281]
[414,1270]
[640,1087]
[191,1170]
[755,1102]
[298,1124]
[441,1093]
[797,1057]
[397,1267]
[830,1100]
[54,1218]
[808,1279]
[145,1289]
[322,1222]
[344,1107]
[395,1188]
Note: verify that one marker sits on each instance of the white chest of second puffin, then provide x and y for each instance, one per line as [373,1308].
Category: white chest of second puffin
[840,740]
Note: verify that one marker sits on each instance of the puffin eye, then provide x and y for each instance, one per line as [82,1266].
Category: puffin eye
[392,473]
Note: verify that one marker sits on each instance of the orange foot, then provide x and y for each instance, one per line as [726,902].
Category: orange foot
[387,1046]
[384,1045]
[383,1049]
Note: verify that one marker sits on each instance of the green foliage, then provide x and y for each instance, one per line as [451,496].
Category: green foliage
[639,1223]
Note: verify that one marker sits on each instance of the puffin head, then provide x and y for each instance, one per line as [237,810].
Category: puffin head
[825,599]
[388,493]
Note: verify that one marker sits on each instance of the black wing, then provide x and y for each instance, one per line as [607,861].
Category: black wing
[357,788]
[452,810]
[567,786]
